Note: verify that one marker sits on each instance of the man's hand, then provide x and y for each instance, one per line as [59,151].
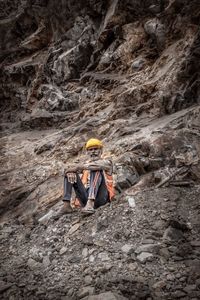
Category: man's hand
[71,177]
[99,164]
[73,168]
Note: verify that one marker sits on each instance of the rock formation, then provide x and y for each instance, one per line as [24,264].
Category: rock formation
[127,72]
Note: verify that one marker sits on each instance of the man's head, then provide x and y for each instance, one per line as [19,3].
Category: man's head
[94,148]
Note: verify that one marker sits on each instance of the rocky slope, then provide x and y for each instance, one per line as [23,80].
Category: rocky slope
[125,72]
[148,251]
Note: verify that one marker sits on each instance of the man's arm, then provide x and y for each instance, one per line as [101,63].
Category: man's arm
[95,165]
[100,164]
[74,168]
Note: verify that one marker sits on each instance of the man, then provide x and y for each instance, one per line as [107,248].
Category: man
[94,187]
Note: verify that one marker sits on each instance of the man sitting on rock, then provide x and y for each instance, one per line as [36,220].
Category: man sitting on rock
[94,187]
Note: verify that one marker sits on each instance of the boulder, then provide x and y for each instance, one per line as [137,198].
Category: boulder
[128,248]
[144,256]
[54,99]
[172,235]
[156,30]
[152,248]
[33,265]
[138,64]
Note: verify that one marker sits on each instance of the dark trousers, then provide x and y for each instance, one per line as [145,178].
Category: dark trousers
[97,189]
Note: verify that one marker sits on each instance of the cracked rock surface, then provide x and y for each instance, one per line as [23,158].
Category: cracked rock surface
[126,72]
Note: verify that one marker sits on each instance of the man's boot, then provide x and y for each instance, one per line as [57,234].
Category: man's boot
[66,209]
[89,208]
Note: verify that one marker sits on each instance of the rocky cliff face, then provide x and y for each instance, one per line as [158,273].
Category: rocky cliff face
[128,73]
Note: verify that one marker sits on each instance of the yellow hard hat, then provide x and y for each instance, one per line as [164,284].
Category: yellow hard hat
[93,143]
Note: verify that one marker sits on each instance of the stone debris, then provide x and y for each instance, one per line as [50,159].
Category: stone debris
[85,252]
[74,228]
[32,264]
[129,72]
[131,201]
[46,261]
[4,286]
[152,248]
[63,250]
[103,256]
[144,256]
[138,64]
[128,258]
[128,249]
[172,234]
[44,219]
[85,291]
